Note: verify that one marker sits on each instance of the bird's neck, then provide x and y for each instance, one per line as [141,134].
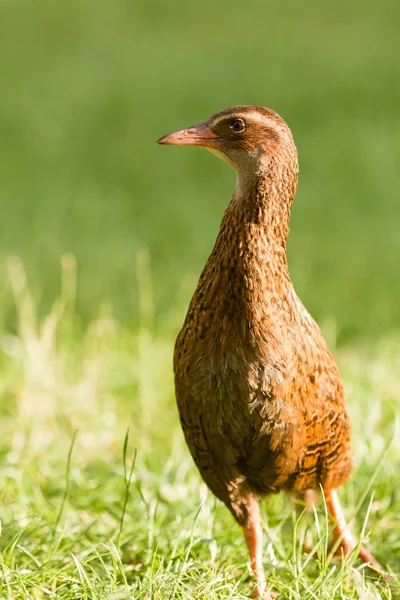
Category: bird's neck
[246,276]
[258,214]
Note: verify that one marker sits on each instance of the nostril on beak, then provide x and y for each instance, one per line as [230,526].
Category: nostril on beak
[190,131]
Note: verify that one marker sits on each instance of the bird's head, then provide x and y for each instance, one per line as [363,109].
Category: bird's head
[244,136]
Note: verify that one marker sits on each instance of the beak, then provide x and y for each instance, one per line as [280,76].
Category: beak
[198,135]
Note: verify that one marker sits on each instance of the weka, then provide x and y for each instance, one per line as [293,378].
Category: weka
[260,397]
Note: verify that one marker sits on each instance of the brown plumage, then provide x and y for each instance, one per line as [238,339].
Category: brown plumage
[259,394]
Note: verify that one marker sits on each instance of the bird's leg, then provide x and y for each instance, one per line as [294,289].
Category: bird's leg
[253,535]
[342,533]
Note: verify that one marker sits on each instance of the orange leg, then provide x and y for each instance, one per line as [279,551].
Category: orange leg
[342,532]
[253,535]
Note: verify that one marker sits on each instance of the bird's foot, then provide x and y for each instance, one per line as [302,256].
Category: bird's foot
[261,590]
[346,546]
[264,594]
[344,537]
[349,543]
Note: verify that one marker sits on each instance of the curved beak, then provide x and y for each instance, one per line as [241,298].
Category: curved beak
[198,135]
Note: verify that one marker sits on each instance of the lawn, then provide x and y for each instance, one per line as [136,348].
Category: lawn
[102,238]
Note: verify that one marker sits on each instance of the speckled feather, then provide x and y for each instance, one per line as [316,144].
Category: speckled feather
[259,394]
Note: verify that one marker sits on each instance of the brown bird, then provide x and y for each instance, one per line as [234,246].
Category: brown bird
[259,394]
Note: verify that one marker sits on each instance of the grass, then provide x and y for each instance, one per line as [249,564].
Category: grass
[100,499]
[98,494]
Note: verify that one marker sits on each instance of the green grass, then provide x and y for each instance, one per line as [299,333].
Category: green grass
[88,510]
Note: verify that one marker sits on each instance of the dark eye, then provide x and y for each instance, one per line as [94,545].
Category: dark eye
[237,125]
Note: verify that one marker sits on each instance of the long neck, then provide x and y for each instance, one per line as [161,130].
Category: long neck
[257,218]
[246,277]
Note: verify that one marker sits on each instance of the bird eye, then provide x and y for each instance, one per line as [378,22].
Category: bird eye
[238,125]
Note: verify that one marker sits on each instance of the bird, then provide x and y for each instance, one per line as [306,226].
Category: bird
[259,395]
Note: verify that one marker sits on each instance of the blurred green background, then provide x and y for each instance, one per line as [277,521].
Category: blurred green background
[87,88]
